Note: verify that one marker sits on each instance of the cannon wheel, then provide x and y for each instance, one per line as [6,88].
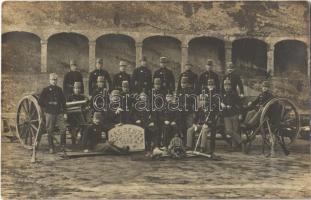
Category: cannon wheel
[280,115]
[28,121]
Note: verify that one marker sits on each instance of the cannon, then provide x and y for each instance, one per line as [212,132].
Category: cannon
[30,120]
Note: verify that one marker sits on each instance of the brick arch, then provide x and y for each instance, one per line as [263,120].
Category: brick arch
[290,55]
[21,51]
[65,46]
[202,48]
[159,45]
[250,54]
[114,47]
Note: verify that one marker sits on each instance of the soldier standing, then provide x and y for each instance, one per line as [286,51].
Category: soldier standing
[70,77]
[74,120]
[232,107]
[235,79]
[53,102]
[192,78]
[99,71]
[121,76]
[166,76]
[142,78]
[100,96]
[207,75]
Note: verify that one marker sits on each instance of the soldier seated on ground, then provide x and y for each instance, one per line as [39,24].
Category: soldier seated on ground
[97,138]
[255,108]
[75,120]
[176,148]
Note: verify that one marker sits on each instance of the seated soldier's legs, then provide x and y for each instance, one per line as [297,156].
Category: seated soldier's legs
[212,144]
[203,143]
[232,129]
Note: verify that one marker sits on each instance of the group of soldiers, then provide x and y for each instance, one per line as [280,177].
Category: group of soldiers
[163,127]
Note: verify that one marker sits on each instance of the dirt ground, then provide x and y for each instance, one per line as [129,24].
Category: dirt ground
[134,176]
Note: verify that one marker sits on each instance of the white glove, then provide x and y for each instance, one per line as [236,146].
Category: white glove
[138,122]
[173,123]
[241,95]
[205,126]
[119,110]
[223,105]
[195,127]
[166,122]
[151,124]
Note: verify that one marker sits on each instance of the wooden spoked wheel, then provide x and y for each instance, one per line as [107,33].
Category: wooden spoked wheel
[28,121]
[280,117]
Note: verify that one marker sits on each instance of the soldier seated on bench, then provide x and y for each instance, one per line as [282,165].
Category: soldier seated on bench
[255,108]
[74,120]
[96,134]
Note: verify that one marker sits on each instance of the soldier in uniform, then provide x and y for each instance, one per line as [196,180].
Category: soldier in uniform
[72,76]
[207,117]
[99,71]
[235,79]
[207,75]
[121,76]
[142,117]
[170,122]
[188,103]
[166,76]
[142,78]
[53,102]
[192,78]
[255,107]
[75,119]
[127,103]
[231,108]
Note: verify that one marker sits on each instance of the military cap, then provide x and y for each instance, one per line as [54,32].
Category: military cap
[227,82]
[122,63]
[157,81]
[266,84]
[211,82]
[97,115]
[77,84]
[115,93]
[163,60]
[99,60]
[184,79]
[100,78]
[72,62]
[210,62]
[53,76]
[125,84]
[143,58]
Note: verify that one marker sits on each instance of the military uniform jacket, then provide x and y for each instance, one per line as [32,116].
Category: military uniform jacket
[261,100]
[233,104]
[167,79]
[235,82]
[203,80]
[93,79]
[97,131]
[193,79]
[76,97]
[52,100]
[118,78]
[69,79]
[141,80]
[186,99]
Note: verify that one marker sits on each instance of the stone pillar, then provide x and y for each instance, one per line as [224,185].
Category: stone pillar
[184,56]
[228,52]
[270,59]
[44,57]
[139,52]
[92,55]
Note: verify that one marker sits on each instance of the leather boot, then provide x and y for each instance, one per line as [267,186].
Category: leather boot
[51,144]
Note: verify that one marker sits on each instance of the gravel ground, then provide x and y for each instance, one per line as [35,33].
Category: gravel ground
[134,176]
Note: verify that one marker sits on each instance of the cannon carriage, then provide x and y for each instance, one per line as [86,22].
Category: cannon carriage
[30,120]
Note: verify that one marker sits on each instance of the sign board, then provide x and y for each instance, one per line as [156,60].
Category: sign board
[128,135]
